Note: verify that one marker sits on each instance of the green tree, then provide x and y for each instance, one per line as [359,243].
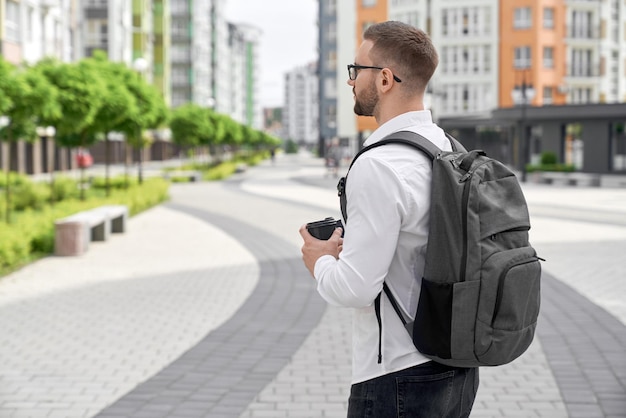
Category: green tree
[117,103]
[81,91]
[151,114]
[31,99]
[190,125]
[45,107]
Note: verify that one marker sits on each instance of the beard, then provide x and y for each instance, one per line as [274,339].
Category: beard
[366,102]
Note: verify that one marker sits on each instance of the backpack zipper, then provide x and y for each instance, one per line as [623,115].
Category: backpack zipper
[464,203]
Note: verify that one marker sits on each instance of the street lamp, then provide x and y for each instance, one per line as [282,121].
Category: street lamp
[48,133]
[4,122]
[523,95]
[140,65]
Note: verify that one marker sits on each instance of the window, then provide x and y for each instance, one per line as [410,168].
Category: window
[547,95]
[96,32]
[331,61]
[548,57]
[330,88]
[30,23]
[331,7]
[179,28]
[522,57]
[522,18]
[12,22]
[548,18]
[368,3]
[331,33]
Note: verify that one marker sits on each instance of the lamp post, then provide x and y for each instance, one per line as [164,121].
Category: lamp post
[140,65]
[4,122]
[50,133]
[523,95]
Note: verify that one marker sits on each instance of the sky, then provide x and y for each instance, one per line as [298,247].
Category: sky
[288,39]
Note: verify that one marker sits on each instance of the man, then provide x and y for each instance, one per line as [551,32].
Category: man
[388,197]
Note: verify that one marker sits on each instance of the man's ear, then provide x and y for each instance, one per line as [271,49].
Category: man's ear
[386,80]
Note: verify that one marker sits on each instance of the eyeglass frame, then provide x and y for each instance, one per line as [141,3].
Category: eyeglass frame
[357,67]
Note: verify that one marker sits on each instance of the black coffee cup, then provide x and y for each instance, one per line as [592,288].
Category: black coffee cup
[324,229]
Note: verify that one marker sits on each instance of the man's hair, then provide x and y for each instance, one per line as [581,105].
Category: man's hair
[405,49]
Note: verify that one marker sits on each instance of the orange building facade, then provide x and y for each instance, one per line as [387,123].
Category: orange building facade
[368,13]
[532,50]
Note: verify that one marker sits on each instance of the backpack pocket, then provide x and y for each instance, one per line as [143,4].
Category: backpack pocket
[443,326]
[509,305]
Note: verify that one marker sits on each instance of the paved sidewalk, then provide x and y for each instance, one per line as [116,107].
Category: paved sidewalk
[203,309]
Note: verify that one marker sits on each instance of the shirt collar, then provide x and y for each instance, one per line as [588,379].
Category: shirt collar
[405,121]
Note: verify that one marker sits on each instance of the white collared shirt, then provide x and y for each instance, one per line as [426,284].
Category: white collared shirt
[388,195]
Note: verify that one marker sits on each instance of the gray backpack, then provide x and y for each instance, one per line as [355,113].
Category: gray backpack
[479,298]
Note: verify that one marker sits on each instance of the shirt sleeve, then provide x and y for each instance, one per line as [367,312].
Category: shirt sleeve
[375,206]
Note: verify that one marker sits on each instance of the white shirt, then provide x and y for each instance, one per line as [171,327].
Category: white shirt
[388,195]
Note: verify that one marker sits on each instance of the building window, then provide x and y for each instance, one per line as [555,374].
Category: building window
[522,18]
[331,61]
[548,57]
[331,33]
[12,22]
[368,3]
[548,95]
[330,88]
[331,7]
[522,57]
[548,18]
[97,32]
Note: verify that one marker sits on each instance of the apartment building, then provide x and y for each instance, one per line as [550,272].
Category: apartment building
[466,36]
[243,75]
[31,30]
[162,49]
[300,112]
[327,72]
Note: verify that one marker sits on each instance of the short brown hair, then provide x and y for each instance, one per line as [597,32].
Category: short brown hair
[404,49]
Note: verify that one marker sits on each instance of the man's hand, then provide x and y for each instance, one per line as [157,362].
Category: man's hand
[314,248]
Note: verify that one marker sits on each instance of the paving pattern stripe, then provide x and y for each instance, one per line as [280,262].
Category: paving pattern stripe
[585,346]
[579,214]
[222,374]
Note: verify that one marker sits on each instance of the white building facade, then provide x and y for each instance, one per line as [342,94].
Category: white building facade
[300,112]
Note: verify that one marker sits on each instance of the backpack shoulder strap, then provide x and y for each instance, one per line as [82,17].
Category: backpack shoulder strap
[409,138]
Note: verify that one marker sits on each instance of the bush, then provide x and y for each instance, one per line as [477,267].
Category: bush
[30,195]
[117,182]
[548,157]
[64,188]
[530,168]
[291,147]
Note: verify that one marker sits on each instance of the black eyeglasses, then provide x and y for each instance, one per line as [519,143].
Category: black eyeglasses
[353,69]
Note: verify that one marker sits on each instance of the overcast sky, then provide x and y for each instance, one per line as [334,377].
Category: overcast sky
[288,39]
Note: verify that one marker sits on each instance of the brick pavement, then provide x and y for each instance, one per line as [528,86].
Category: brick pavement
[149,323]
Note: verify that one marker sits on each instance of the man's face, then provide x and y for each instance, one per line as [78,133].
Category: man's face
[364,87]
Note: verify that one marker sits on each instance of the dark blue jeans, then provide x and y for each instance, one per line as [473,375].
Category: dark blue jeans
[430,390]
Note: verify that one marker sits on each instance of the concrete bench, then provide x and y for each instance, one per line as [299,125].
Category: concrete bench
[74,233]
[192,176]
[556,178]
[584,179]
[570,179]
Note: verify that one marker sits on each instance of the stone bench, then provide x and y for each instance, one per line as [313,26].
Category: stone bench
[74,233]
[192,176]
[570,179]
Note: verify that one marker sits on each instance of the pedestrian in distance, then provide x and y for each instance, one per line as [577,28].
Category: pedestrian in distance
[386,234]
